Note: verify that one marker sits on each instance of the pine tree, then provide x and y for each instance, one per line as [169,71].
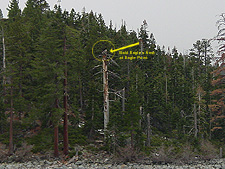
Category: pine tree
[34,17]
[1,14]
[14,53]
[49,73]
[201,55]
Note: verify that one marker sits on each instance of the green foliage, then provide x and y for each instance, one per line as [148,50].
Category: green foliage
[76,136]
[42,141]
[14,11]
[4,138]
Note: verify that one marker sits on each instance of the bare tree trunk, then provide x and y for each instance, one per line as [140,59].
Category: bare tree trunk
[11,122]
[4,65]
[105,93]
[65,124]
[221,152]
[199,108]
[195,121]
[123,100]
[148,130]
[3,47]
[141,110]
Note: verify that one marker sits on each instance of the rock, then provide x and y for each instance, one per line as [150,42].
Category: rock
[29,166]
[79,163]
[214,164]
[123,166]
[64,167]
[108,166]
[73,166]
[38,166]
[47,162]
[217,166]
[81,167]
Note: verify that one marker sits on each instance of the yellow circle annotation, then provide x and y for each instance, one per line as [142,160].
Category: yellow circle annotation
[103,41]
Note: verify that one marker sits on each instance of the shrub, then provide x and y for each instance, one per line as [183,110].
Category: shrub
[127,154]
[208,150]
[163,154]
[173,154]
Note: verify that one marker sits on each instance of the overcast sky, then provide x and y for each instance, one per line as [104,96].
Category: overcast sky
[177,23]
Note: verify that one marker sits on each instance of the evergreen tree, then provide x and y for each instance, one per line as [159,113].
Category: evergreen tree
[15,52]
[34,17]
[1,14]
[49,73]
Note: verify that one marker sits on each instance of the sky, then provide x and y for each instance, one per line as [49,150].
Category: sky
[177,23]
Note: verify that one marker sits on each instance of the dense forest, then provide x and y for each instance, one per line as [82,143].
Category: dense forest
[52,94]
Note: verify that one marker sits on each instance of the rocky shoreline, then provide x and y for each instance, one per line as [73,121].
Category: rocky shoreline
[44,164]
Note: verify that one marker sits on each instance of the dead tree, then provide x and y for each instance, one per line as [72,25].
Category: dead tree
[148,130]
[105,90]
[106,72]
[3,63]
[195,122]
[123,100]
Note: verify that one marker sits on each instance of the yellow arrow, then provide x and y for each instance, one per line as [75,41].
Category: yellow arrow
[128,46]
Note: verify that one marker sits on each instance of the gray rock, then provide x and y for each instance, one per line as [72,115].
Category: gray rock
[63,167]
[81,167]
[79,162]
[29,166]
[41,162]
[214,164]
[48,163]
[38,166]
[217,166]
[73,166]
[108,166]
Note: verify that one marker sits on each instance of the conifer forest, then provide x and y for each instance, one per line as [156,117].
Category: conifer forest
[62,88]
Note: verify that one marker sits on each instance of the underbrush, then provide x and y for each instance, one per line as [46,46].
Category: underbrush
[175,152]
